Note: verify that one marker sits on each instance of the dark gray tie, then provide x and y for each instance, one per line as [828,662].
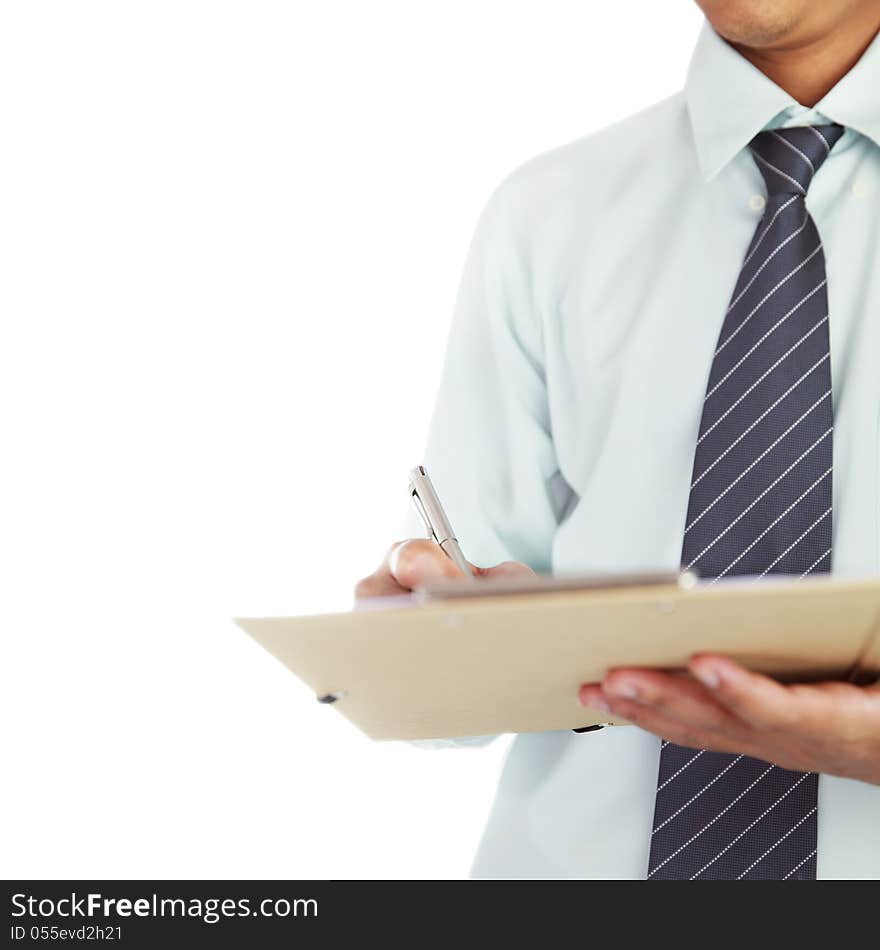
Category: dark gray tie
[760,503]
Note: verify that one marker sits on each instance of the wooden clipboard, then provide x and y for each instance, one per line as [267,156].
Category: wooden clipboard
[513,661]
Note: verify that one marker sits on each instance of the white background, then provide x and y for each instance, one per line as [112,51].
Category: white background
[230,239]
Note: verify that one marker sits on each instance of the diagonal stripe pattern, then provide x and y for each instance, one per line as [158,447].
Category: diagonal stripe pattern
[760,503]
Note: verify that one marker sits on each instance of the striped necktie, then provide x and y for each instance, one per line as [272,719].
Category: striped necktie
[760,503]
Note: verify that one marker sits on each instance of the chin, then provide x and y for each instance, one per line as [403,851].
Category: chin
[755,23]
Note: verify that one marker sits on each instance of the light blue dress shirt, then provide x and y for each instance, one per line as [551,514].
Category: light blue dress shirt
[564,431]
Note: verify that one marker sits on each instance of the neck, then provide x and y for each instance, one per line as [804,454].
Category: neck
[808,69]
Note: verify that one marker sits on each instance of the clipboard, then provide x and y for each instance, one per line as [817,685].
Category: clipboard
[438,665]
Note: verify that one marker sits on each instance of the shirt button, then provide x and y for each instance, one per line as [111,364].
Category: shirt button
[757,202]
[860,189]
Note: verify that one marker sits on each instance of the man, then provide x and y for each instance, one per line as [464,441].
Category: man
[667,350]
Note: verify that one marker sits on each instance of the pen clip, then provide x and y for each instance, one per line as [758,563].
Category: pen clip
[428,506]
[420,508]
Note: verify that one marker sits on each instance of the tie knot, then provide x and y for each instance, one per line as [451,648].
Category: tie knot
[788,158]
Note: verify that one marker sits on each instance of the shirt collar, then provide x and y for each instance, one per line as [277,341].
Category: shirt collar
[730,100]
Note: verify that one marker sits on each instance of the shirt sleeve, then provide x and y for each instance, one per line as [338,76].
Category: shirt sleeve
[490,448]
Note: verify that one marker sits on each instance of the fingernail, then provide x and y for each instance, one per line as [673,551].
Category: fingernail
[708,676]
[626,689]
[597,702]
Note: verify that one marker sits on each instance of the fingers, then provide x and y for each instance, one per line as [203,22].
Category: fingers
[406,565]
[807,710]
[674,697]
[504,569]
[380,583]
[692,735]
[409,564]
[757,700]
[828,727]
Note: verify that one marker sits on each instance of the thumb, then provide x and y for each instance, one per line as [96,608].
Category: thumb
[414,562]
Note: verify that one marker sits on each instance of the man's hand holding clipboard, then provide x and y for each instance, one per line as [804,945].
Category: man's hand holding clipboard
[830,727]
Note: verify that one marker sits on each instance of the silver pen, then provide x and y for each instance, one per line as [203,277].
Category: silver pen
[426,502]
